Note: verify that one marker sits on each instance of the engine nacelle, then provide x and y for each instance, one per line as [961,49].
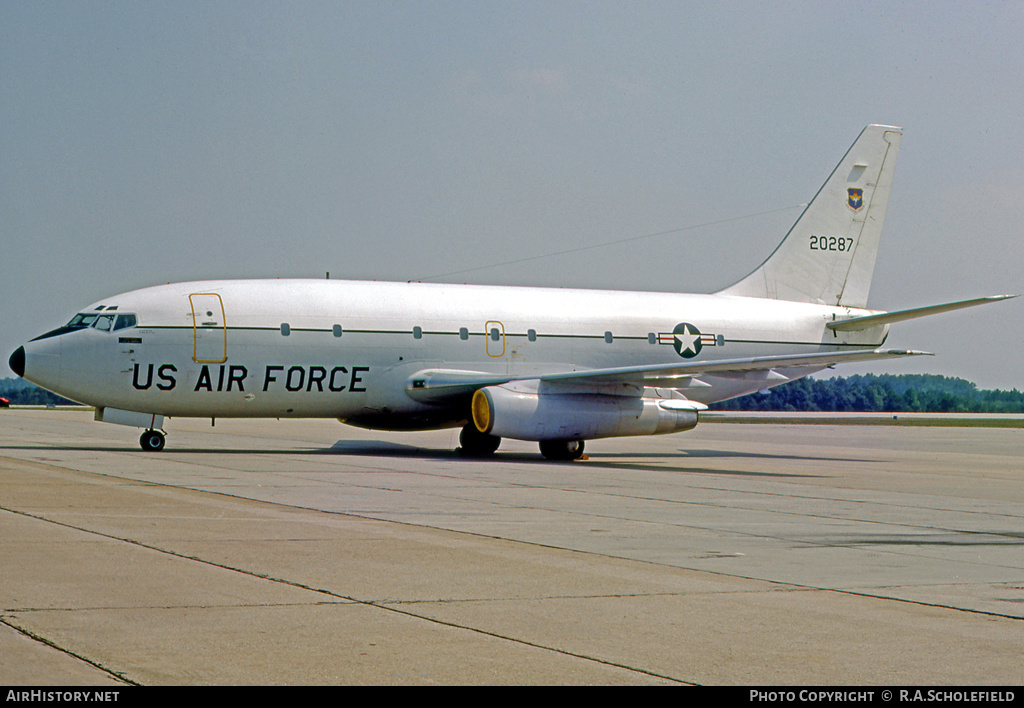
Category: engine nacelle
[527,415]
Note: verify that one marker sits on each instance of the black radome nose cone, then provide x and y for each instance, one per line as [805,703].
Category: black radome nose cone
[17,361]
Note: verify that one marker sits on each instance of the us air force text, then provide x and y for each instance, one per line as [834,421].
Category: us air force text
[335,379]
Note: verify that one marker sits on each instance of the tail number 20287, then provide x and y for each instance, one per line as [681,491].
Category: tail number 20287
[831,243]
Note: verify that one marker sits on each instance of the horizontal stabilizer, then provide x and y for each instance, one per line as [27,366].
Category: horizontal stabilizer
[854,324]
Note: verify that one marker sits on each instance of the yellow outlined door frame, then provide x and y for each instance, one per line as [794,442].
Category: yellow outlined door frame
[209,329]
[495,346]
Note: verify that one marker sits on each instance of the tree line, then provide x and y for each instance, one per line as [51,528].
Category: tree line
[22,393]
[872,393]
[905,393]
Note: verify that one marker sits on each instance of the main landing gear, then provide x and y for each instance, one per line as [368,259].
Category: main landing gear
[152,441]
[562,450]
[477,444]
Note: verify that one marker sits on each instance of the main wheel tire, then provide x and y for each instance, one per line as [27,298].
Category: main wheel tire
[152,441]
[562,449]
[477,444]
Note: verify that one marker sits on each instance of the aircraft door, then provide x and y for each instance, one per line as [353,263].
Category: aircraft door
[210,334]
[495,332]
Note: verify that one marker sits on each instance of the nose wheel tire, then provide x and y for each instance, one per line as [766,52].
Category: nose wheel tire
[152,441]
[562,449]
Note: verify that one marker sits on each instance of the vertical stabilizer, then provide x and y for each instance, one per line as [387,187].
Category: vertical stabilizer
[828,256]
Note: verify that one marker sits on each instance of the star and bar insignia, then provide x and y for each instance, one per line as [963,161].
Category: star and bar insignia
[688,340]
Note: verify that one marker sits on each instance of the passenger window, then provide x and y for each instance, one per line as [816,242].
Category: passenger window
[608,337]
[531,334]
[337,330]
[463,333]
[417,332]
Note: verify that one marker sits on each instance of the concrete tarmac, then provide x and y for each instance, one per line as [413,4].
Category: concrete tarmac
[308,552]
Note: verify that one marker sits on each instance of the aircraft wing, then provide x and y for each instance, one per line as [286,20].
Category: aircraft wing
[445,385]
[660,372]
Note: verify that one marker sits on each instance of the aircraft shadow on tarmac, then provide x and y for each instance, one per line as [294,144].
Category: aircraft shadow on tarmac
[638,460]
[690,452]
[649,461]
[386,448]
[944,538]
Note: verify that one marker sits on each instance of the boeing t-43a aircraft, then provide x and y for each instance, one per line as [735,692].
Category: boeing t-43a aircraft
[557,366]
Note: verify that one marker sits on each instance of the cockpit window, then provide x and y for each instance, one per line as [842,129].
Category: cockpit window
[124,322]
[83,320]
[104,322]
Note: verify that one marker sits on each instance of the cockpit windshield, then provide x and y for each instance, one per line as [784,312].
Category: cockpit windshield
[106,322]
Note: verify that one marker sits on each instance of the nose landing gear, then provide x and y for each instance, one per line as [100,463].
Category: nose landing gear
[152,441]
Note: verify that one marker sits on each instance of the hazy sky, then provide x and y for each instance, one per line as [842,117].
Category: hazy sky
[148,142]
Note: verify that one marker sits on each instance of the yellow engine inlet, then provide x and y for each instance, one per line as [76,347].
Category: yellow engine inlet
[481,408]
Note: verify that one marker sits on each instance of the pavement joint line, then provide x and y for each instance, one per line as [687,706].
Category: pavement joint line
[392,606]
[14,611]
[922,603]
[952,523]
[56,647]
[628,496]
[373,603]
[376,604]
